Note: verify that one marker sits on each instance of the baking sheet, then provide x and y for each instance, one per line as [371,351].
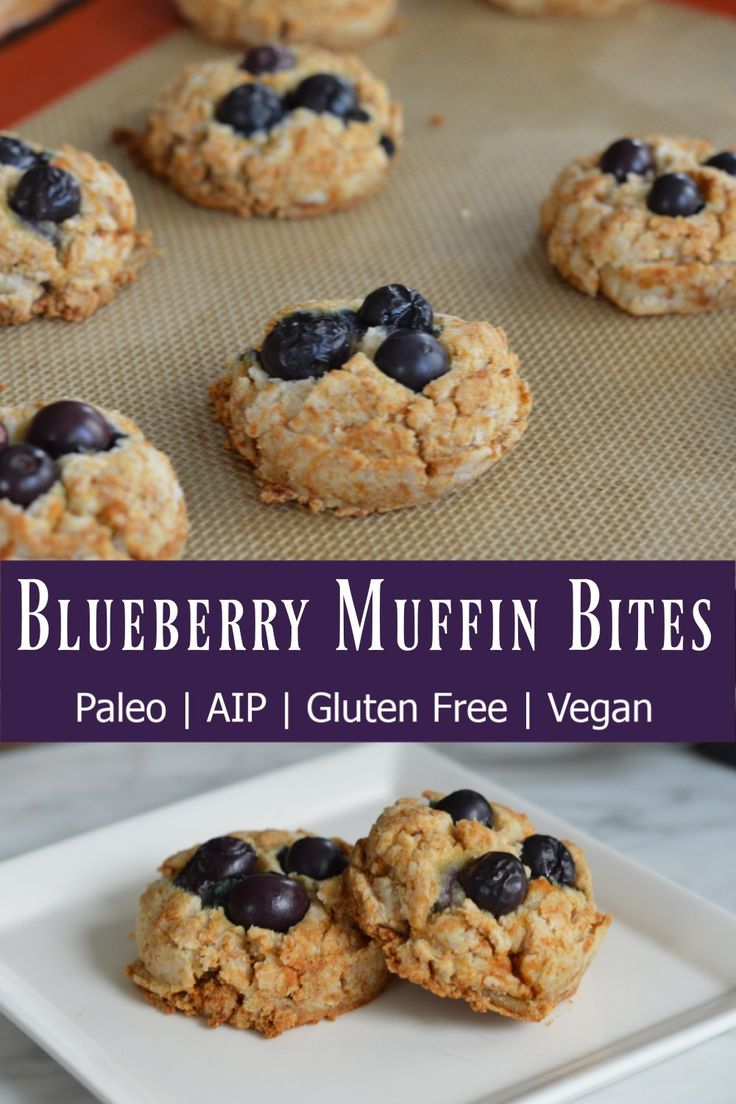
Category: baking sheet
[631,448]
[659,984]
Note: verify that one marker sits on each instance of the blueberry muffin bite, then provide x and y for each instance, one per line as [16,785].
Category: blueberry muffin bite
[588,9]
[337,24]
[78,483]
[362,406]
[251,929]
[284,133]
[469,902]
[649,223]
[68,237]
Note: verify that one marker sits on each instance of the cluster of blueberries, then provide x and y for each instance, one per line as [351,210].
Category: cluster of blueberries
[675,193]
[254,107]
[497,881]
[29,469]
[307,344]
[44,192]
[222,873]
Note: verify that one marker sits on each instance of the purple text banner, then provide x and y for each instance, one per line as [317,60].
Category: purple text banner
[482,651]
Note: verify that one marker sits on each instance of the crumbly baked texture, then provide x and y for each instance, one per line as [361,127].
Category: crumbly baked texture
[588,9]
[194,960]
[307,164]
[79,264]
[603,239]
[356,441]
[402,892]
[124,504]
[337,24]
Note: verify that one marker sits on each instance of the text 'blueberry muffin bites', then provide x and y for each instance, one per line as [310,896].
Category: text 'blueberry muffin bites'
[469,902]
[337,24]
[284,133]
[649,223]
[373,405]
[78,483]
[68,237]
[251,929]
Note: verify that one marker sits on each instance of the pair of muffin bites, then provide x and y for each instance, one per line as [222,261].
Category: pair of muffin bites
[324,409]
[273,929]
[75,482]
[348,405]
[280,133]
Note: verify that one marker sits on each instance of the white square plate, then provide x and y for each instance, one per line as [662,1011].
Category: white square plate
[661,982]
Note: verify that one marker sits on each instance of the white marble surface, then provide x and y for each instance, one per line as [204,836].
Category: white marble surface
[661,805]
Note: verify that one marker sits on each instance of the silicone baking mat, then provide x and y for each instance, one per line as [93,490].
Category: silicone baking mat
[631,448]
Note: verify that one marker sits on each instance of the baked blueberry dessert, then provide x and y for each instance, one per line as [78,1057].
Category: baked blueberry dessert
[649,223]
[469,902]
[337,24]
[283,132]
[371,405]
[251,929]
[68,236]
[78,483]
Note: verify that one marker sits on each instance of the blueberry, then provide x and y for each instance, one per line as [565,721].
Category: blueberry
[725,161]
[316,857]
[466,805]
[281,856]
[358,116]
[304,345]
[325,92]
[396,305]
[267,901]
[69,426]
[267,59]
[250,108]
[389,145]
[496,882]
[25,473]
[628,155]
[548,858]
[215,894]
[16,153]
[46,194]
[221,858]
[412,358]
[675,195]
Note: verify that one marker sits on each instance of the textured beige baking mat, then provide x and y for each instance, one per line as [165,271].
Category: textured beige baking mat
[631,448]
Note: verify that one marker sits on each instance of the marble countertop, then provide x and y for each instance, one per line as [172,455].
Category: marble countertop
[664,806]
